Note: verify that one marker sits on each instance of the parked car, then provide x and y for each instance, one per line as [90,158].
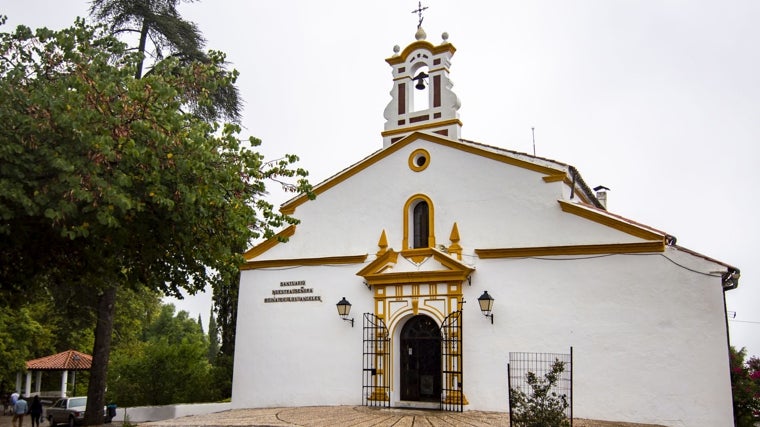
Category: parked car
[69,411]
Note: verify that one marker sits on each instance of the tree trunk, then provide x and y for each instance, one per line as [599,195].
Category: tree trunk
[96,394]
[141,49]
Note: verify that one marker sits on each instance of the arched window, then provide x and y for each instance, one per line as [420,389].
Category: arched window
[419,229]
[421,224]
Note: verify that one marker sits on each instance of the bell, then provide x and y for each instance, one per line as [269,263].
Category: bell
[420,80]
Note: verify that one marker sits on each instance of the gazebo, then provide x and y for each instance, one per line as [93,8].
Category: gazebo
[70,360]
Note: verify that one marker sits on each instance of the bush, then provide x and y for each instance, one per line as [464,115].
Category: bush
[543,407]
[745,387]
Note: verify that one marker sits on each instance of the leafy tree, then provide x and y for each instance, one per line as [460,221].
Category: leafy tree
[159,24]
[156,21]
[745,387]
[162,32]
[136,310]
[543,407]
[169,365]
[22,337]
[225,298]
[124,184]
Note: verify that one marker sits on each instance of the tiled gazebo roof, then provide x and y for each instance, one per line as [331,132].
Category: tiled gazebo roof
[70,360]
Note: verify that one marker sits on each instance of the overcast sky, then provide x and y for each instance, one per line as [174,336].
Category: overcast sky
[659,100]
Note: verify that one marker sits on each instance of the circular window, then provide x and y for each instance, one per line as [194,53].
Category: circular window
[419,160]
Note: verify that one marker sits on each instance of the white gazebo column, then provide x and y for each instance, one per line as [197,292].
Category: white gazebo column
[64,382]
[38,383]
[28,388]
[18,382]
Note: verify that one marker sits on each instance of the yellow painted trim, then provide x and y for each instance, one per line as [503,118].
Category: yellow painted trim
[347,259]
[374,273]
[407,220]
[380,263]
[455,248]
[439,256]
[420,44]
[555,178]
[382,244]
[290,206]
[617,224]
[428,125]
[613,248]
[269,244]
[411,277]
[420,152]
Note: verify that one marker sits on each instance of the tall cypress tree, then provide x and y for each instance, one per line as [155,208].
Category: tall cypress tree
[213,338]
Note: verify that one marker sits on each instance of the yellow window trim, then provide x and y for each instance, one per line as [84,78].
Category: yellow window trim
[407,220]
[420,152]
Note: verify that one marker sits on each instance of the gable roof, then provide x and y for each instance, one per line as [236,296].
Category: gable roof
[70,360]
[553,170]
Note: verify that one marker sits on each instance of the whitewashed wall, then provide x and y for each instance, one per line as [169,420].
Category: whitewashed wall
[139,414]
[649,337]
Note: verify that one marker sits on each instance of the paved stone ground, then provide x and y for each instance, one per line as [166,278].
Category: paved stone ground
[355,416]
[349,416]
[5,421]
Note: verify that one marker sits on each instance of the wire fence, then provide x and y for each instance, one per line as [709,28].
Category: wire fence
[540,388]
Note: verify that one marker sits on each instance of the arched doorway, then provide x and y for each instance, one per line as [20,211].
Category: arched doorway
[421,360]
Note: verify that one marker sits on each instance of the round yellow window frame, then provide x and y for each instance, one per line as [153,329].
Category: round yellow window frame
[419,160]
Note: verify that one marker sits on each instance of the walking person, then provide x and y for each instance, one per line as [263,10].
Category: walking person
[35,410]
[19,410]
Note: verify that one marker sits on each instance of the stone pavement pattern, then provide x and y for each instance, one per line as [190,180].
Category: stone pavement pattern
[355,416]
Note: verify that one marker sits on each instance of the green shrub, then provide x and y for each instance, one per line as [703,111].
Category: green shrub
[543,407]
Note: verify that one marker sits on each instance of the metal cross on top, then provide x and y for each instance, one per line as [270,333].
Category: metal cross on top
[419,11]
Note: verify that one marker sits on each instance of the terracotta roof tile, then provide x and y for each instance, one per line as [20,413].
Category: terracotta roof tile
[71,360]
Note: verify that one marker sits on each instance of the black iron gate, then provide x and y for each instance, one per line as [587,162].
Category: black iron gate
[452,395]
[376,389]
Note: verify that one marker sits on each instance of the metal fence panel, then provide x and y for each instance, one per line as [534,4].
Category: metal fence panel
[520,368]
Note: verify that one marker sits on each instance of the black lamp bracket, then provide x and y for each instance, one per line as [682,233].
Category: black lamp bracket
[491,316]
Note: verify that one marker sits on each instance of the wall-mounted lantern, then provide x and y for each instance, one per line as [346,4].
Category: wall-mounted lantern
[344,307]
[486,305]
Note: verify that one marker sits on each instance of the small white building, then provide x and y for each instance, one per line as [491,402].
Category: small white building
[414,234]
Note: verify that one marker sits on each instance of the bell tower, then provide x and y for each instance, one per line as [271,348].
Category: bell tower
[421,97]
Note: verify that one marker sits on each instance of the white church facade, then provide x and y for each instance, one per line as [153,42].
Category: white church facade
[413,235]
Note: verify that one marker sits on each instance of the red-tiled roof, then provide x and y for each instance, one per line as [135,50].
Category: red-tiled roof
[70,360]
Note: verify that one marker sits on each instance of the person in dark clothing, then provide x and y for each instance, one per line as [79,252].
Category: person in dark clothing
[35,410]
